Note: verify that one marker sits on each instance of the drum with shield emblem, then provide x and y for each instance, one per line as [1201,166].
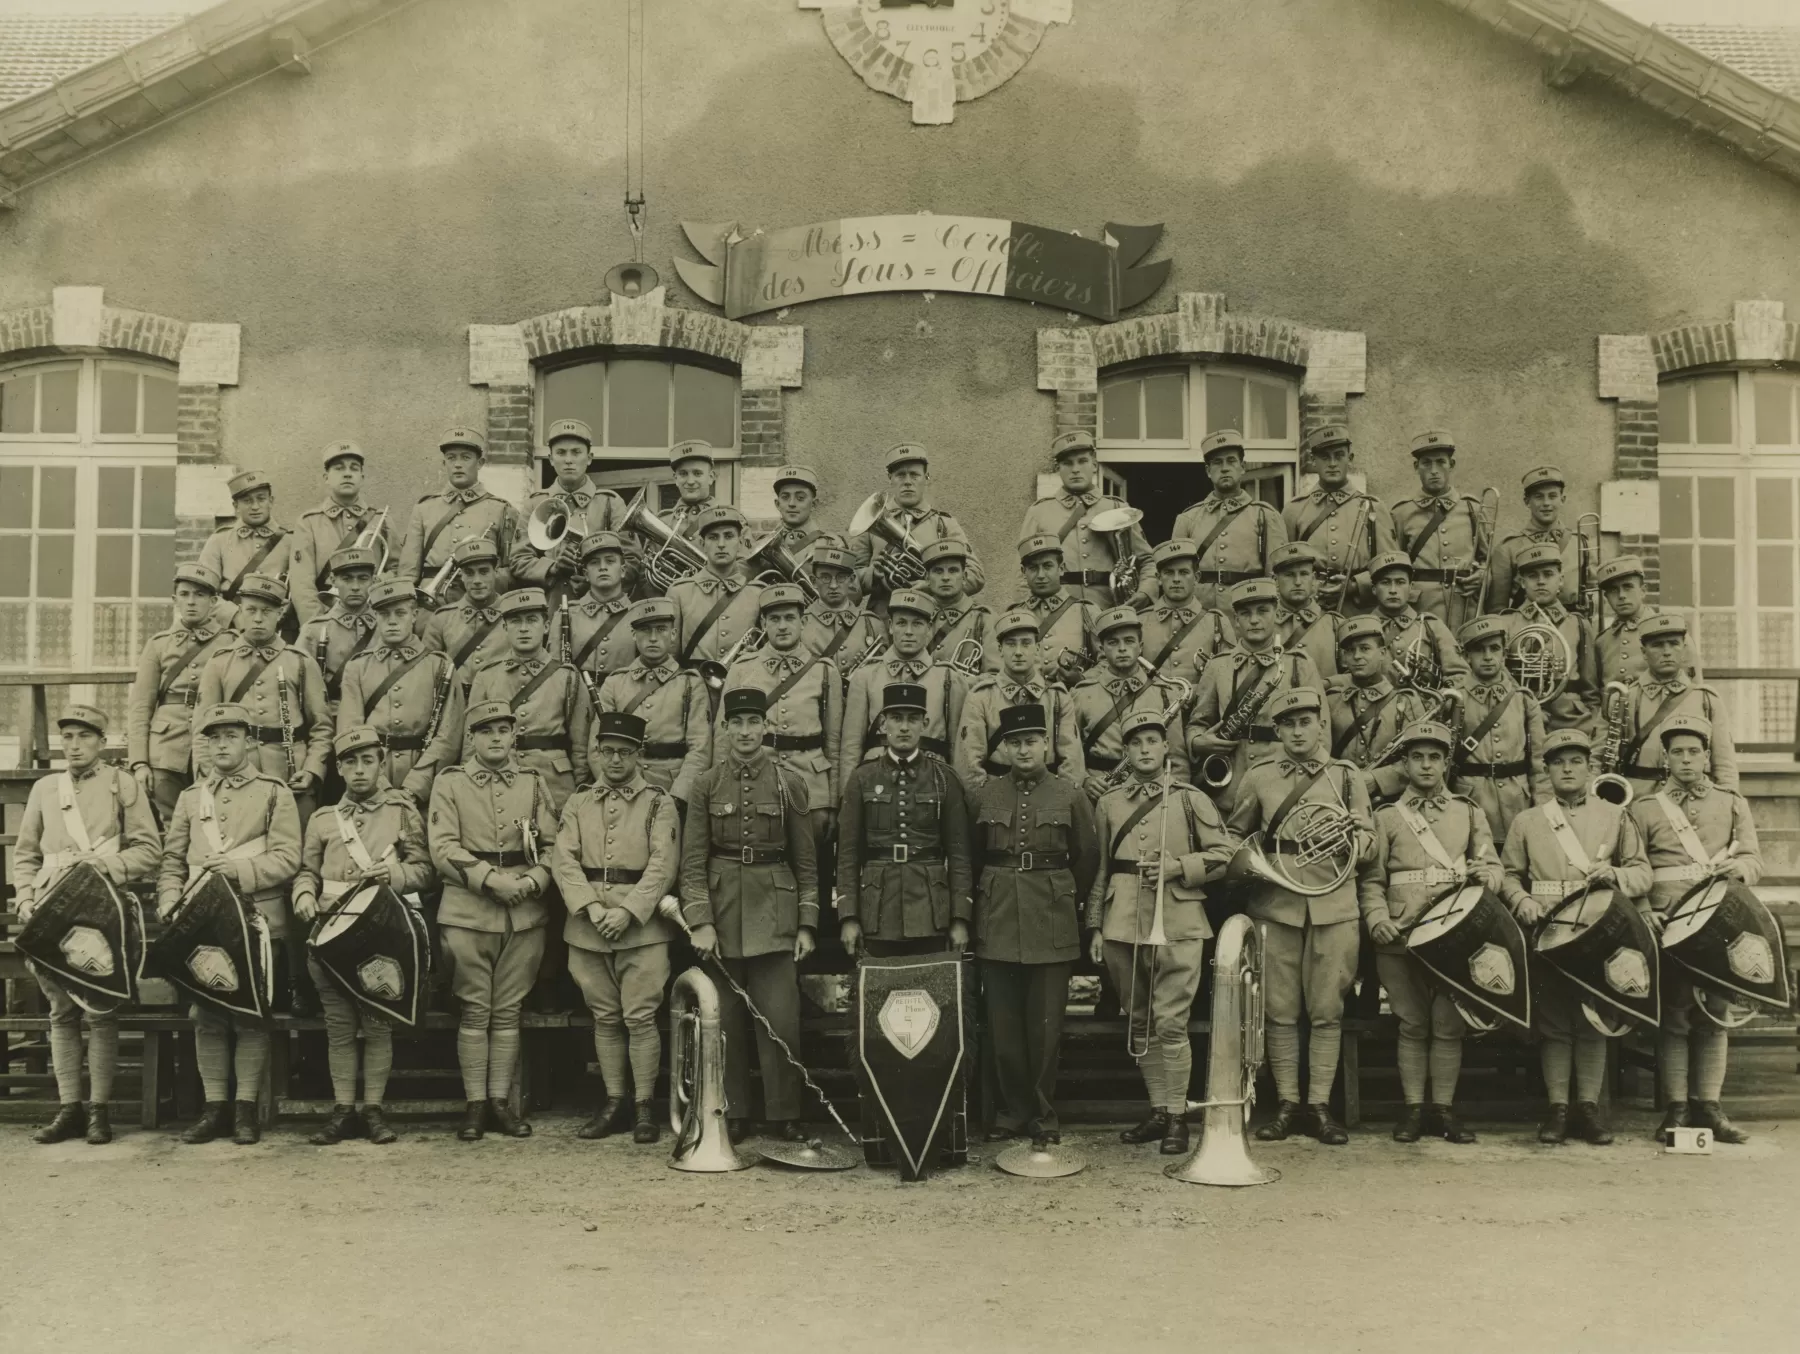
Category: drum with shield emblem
[1469,941]
[216,947]
[1599,941]
[1724,938]
[87,934]
[377,950]
[911,1062]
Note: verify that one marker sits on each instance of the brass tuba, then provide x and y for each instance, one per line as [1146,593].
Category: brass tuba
[552,522]
[1615,708]
[1234,1054]
[697,1077]
[1316,833]
[904,568]
[673,557]
[769,562]
[1116,524]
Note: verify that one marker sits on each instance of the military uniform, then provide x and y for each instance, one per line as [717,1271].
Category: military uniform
[1691,832]
[470,634]
[804,720]
[1310,943]
[979,752]
[1234,533]
[684,518]
[1573,707]
[748,869]
[1412,632]
[619,847]
[923,525]
[955,628]
[444,518]
[1180,637]
[1038,859]
[712,615]
[333,638]
[1065,633]
[1502,770]
[237,551]
[1503,593]
[904,865]
[322,532]
[103,815]
[1425,842]
[1539,871]
[411,697]
[342,843]
[485,819]
[841,637]
[1446,540]
[946,691]
[1135,825]
[1105,702]
[550,709]
[1313,632]
[1618,653]
[250,817]
[1651,705]
[587,503]
[1347,527]
[1238,678]
[164,693]
[1365,721]
[1088,556]
[599,637]
[677,719]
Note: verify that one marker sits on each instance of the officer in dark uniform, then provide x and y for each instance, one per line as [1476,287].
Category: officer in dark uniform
[904,884]
[1039,855]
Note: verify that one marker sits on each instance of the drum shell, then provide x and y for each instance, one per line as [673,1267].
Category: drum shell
[377,951]
[87,934]
[217,948]
[1481,954]
[1726,940]
[1602,944]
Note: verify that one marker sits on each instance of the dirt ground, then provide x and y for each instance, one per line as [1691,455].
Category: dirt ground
[556,1244]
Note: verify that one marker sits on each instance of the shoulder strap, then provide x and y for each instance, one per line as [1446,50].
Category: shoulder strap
[1138,814]
[386,684]
[1489,720]
[431,537]
[1176,639]
[1565,837]
[1628,758]
[1072,521]
[595,640]
[1306,532]
[352,839]
[1371,712]
[1432,523]
[183,662]
[706,624]
[1126,699]
[268,548]
[648,690]
[1427,835]
[792,680]
[1286,806]
[530,688]
[248,680]
[72,820]
[1217,531]
[472,643]
[1684,831]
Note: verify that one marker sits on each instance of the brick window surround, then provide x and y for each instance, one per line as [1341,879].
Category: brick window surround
[1333,363]
[769,359]
[1629,368]
[79,321]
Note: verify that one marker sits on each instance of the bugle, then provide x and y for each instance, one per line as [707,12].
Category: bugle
[674,557]
[904,568]
[714,672]
[433,592]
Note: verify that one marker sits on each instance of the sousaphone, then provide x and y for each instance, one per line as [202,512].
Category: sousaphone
[88,935]
[377,950]
[1601,943]
[1470,942]
[1729,945]
[217,949]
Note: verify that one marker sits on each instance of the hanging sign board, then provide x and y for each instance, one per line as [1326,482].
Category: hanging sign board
[979,255]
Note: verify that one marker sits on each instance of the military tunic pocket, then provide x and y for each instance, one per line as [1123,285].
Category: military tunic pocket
[1065,925]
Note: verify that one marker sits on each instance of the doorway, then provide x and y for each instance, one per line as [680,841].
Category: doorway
[1166,489]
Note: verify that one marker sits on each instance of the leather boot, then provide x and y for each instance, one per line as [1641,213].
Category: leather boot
[608,1120]
[645,1129]
[1175,1141]
[214,1121]
[375,1124]
[303,1002]
[1555,1128]
[1710,1114]
[1675,1116]
[737,1130]
[70,1122]
[1151,1130]
[246,1127]
[474,1121]
[99,1124]
[1587,1125]
[1282,1126]
[1325,1128]
[505,1121]
[1410,1126]
[1452,1129]
[789,1130]
[335,1128]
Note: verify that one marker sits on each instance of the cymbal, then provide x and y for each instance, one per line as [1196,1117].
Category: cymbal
[807,1156]
[1040,1163]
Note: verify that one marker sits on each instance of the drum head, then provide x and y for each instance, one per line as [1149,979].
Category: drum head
[1471,944]
[377,951]
[217,948]
[1728,942]
[1599,941]
[89,936]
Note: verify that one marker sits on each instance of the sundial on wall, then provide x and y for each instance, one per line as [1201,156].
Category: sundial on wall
[937,53]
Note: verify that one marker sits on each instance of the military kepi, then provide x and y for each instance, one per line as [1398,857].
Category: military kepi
[619,724]
[86,717]
[902,696]
[746,700]
[1022,719]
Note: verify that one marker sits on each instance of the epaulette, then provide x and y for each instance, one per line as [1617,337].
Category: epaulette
[426,498]
[456,767]
[483,667]
[264,775]
[986,681]
[1094,676]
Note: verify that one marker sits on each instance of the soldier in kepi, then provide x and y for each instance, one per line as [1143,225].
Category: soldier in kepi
[1693,831]
[1180,635]
[342,520]
[598,637]
[1659,694]
[696,479]
[982,748]
[407,692]
[159,741]
[835,627]
[1498,760]
[1300,620]
[88,811]
[335,636]
[1626,606]
[750,896]
[1539,570]
[1543,486]
[796,497]
[1065,622]
[1553,850]
[588,508]
[1442,533]
[961,631]
[903,870]
[242,824]
[256,544]
[463,509]
[1234,531]
[1038,858]
[468,629]
[1348,528]
[1088,556]
[617,856]
[946,690]
[490,831]
[1150,856]
[372,833]
[1425,841]
[671,701]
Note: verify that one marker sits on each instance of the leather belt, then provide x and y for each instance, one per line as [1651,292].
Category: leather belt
[1555,888]
[505,860]
[1680,874]
[901,854]
[1025,860]
[752,855]
[1434,874]
[1217,576]
[1491,770]
[781,742]
[542,742]
[1093,578]
[607,874]
[1099,762]
[664,752]
[404,742]
[1440,575]
[262,733]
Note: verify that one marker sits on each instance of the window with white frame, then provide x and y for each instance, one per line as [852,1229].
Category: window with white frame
[1161,414]
[87,517]
[1730,469]
[637,409]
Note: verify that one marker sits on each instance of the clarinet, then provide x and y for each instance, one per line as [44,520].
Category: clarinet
[440,691]
[285,714]
[565,627]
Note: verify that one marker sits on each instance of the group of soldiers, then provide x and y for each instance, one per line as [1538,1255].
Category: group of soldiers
[506,730]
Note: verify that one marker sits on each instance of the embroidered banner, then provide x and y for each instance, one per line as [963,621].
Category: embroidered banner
[982,256]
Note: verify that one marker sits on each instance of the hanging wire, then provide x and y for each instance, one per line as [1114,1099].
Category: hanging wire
[634,127]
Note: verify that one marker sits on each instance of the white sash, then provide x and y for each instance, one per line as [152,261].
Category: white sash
[56,862]
[1566,839]
[330,890]
[1684,832]
[209,823]
[1428,838]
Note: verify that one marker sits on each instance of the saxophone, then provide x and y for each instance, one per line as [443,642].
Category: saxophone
[1615,708]
[1216,770]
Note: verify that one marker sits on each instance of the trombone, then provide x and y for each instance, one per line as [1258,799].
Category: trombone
[1487,523]
[714,672]
[1587,568]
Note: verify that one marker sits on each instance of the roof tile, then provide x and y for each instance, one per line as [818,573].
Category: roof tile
[37,50]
